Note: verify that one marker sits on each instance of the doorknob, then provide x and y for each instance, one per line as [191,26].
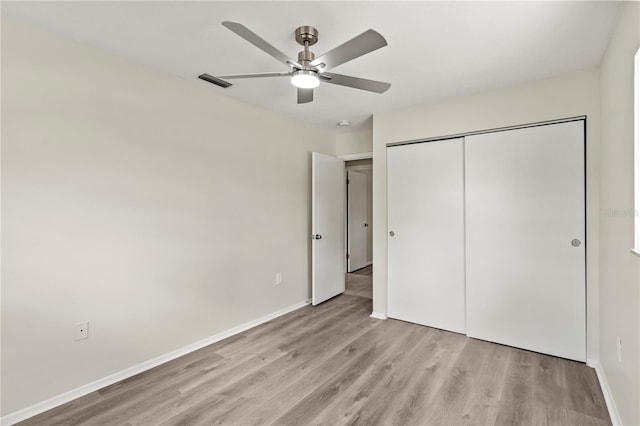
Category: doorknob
[316,237]
[576,242]
[391,233]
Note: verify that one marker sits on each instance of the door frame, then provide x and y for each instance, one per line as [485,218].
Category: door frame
[492,130]
[347,158]
[356,169]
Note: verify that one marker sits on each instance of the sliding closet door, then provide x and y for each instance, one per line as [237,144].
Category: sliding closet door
[426,234]
[525,238]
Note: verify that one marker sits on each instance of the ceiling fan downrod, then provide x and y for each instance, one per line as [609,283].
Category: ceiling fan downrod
[306,36]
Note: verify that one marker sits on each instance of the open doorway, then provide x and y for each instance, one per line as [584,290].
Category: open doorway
[359,228]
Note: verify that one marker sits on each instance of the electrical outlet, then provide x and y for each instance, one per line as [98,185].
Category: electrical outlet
[279,278]
[619,349]
[82,330]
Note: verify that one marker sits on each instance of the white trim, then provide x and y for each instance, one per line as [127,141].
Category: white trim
[65,397]
[378,315]
[636,149]
[357,156]
[358,168]
[636,251]
[608,397]
[481,132]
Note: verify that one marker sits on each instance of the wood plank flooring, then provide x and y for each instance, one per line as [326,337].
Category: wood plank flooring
[366,271]
[334,365]
[359,285]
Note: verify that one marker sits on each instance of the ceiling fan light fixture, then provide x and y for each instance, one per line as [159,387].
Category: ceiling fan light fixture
[307,71]
[305,79]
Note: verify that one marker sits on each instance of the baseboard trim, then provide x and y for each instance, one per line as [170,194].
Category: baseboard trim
[606,391]
[65,397]
[378,315]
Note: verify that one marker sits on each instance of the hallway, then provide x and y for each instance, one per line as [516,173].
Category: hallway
[359,283]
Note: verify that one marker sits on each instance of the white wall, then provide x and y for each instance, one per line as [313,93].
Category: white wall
[156,208]
[356,142]
[549,99]
[619,268]
[360,141]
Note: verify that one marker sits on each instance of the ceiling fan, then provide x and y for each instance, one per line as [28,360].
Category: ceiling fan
[308,71]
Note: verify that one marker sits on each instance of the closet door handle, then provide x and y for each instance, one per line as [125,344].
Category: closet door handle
[391,233]
[576,242]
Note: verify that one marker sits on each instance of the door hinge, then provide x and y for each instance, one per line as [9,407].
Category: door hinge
[347,181]
[347,255]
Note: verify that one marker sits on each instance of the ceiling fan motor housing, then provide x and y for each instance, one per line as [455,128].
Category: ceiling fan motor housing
[306,34]
[305,57]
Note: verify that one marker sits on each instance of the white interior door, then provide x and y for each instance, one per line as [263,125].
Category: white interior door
[426,234]
[327,222]
[525,233]
[357,221]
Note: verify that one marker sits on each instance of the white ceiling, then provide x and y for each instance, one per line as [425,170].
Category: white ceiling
[436,49]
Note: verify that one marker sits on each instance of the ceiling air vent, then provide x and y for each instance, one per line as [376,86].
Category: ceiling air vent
[214,80]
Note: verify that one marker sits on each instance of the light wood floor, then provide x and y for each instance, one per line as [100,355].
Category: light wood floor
[334,365]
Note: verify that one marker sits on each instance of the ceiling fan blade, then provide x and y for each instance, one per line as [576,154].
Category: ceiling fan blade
[305,96]
[366,42]
[355,82]
[260,43]
[256,75]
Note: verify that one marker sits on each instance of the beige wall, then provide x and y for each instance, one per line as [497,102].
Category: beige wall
[554,98]
[619,268]
[156,208]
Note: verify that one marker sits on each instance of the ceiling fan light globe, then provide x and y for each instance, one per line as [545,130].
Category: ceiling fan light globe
[305,79]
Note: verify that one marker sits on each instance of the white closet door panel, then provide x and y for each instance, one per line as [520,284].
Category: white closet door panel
[426,253]
[525,204]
